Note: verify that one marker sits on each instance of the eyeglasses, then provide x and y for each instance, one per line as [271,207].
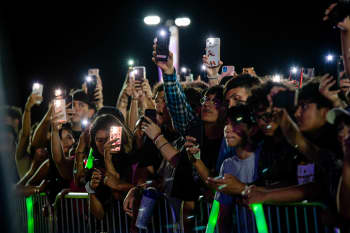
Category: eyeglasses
[213,101]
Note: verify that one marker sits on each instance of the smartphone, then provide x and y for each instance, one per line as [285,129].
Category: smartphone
[139,73]
[189,78]
[163,42]
[38,90]
[152,114]
[91,83]
[196,132]
[334,68]
[116,133]
[284,99]
[59,93]
[60,108]
[228,69]
[295,76]
[212,50]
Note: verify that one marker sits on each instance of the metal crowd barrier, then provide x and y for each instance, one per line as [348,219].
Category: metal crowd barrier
[71,214]
[295,217]
[34,214]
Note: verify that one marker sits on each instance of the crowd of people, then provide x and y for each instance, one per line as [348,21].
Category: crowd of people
[238,138]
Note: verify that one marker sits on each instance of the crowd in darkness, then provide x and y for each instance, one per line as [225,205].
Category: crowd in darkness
[236,138]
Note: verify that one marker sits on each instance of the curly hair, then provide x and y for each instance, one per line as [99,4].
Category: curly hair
[258,99]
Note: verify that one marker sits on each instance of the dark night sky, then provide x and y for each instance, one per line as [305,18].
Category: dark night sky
[56,44]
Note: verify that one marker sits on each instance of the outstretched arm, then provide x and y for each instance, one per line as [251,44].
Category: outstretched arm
[180,110]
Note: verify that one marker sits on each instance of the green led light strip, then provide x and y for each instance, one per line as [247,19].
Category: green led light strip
[213,218]
[260,220]
[30,222]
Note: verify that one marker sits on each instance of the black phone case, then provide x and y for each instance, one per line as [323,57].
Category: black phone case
[139,76]
[152,114]
[163,47]
[91,86]
[196,132]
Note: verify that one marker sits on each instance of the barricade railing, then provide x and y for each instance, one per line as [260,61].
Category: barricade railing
[71,214]
[34,214]
[295,217]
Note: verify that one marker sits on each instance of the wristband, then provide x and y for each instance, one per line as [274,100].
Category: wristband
[88,188]
[162,146]
[156,137]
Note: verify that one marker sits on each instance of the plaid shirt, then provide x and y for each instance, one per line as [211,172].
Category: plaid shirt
[180,110]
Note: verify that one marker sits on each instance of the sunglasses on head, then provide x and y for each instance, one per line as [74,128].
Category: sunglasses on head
[213,101]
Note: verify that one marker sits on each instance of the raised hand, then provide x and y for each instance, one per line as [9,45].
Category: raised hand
[229,184]
[129,201]
[192,147]
[109,145]
[150,128]
[326,83]
[168,66]
[146,88]
[211,71]
[96,179]
[32,100]
[136,87]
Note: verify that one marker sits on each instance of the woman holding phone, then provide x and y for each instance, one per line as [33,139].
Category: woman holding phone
[111,172]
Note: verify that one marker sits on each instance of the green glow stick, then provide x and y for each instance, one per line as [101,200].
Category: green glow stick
[259,217]
[213,218]
[30,217]
[90,160]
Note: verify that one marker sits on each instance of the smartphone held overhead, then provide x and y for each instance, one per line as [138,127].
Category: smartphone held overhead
[60,110]
[91,83]
[38,90]
[163,41]
[334,67]
[212,51]
[138,73]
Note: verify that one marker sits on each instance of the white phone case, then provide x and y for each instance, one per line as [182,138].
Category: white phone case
[38,90]
[212,50]
[60,108]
